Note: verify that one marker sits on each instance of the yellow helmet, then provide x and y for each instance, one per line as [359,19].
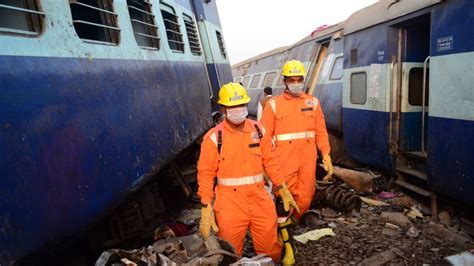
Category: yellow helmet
[232,94]
[293,68]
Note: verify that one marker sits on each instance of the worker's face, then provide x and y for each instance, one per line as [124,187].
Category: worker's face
[295,85]
[236,114]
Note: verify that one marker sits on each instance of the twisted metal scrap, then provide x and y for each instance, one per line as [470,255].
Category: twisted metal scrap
[341,199]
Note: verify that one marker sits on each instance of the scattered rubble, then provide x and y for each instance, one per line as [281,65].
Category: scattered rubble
[390,229]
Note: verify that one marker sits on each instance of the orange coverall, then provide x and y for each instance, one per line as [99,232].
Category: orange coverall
[298,129]
[241,199]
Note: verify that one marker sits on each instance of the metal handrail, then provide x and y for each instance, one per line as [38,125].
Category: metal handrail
[22,9]
[392,65]
[423,103]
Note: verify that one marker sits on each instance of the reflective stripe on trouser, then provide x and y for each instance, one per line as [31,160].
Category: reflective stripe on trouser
[240,208]
[240,181]
[292,136]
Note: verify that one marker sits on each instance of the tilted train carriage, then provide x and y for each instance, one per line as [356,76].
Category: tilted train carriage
[395,83]
[94,94]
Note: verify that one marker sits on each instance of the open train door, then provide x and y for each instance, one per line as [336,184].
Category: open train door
[410,102]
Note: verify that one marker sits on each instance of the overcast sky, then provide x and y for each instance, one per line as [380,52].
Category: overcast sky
[252,27]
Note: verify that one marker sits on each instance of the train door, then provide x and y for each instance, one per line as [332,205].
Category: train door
[323,50]
[412,104]
[415,52]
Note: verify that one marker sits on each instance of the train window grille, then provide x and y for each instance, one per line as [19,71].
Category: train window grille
[193,37]
[358,88]
[237,80]
[354,57]
[415,87]
[143,24]
[220,41]
[245,82]
[268,79]
[255,81]
[20,17]
[336,72]
[173,32]
[95,21]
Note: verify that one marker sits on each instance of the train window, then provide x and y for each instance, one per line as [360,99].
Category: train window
[95,21]
[193,37]
[268,79]
[221,44]
[143,24]
[415,86]
[255,81]
[358,88]
[173,32]
[237,80]
[336,72]
[245,82]
[280,81]
[20,17]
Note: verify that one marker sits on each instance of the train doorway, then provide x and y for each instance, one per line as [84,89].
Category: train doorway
[414,89]
[322,53]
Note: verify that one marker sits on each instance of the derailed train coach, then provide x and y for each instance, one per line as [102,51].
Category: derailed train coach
[395,83]
[95,94]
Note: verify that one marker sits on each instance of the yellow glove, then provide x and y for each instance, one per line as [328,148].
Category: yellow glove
[207,221]
[327,165]
[287,197]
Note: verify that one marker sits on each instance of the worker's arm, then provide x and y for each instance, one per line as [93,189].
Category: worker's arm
[270,160]
[268,118]
[322,139]
[207,168]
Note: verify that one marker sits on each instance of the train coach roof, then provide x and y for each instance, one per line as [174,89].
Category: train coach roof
[383,11]
[326,31]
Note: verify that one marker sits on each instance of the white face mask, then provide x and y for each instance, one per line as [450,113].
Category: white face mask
[237,115]
[296,89]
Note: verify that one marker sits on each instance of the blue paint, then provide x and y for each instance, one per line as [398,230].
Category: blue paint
[207,11]
[452,19]
[410,131]
[368,43]
[225,76]
[330,98]
[366,137]
[75,135]
[450,163]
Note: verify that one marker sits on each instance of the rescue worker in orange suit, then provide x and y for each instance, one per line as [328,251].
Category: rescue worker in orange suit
[295,121]
[237,152]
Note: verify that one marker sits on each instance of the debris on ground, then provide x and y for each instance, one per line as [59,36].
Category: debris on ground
[395,231]
[445,218]
[314,235]
[373,202]
[187,250]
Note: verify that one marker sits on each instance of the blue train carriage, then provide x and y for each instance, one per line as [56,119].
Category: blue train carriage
[407,97]
[265,70]
[94,94]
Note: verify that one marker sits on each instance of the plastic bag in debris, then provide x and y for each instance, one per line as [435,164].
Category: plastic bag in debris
[187,250]
[314,235]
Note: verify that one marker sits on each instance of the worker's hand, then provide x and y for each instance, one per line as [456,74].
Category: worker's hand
[288,200]
[327,165]
[207,221]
